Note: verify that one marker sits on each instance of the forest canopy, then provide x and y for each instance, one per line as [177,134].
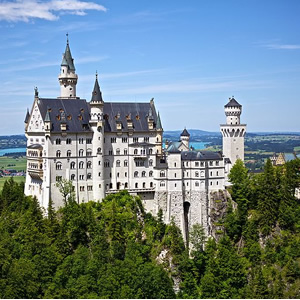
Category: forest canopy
[114,249]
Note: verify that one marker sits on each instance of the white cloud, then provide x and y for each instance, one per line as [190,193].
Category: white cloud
[25,10]
[282,46]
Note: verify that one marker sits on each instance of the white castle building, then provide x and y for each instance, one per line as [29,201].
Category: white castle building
[104,147]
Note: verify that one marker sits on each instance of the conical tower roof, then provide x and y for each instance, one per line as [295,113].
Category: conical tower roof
[233,103]
[158,123]
[185,133]
[67,58]
[27,116]
[96,94]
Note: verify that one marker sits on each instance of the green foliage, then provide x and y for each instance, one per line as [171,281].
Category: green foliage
[113,249]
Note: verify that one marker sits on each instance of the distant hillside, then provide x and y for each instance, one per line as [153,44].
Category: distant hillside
[195,134]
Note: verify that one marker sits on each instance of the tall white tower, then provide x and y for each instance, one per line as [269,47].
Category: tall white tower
[67,77]
[97,125]
[233,132]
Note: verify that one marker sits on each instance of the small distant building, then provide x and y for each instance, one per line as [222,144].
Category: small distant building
[281,158]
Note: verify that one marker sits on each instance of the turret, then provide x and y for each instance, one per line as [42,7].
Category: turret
[159,135]
[97,125]
[233,132]
[67,78]
[233,112]
[185,138]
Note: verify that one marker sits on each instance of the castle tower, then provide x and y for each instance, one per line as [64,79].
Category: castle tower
[67,77]
[97,125]
[185,138]
[233,132]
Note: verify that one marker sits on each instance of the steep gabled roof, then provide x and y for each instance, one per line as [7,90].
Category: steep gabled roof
[75,113]
[137,113]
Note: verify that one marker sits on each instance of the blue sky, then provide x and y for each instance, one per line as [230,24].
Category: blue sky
[190,56]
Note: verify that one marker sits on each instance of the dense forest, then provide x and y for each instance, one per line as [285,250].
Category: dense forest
[114,249]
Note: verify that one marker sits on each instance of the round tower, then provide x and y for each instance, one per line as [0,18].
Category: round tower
[185,138]
[97,125]
[67,77]
[233,132]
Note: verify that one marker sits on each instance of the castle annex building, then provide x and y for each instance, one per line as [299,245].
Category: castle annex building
[104,147]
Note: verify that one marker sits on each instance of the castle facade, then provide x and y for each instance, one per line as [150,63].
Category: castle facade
[104,147]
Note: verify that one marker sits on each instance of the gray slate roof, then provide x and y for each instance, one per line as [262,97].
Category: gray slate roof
[70,111]
[173,149]
[61,109]
[200,155]
[137,112]
[233,103]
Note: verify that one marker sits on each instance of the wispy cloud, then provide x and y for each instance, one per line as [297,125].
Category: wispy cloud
[26,10]
[279,46]
[37,65]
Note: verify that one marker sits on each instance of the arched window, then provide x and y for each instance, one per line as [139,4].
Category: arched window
[126,185]
[162,183]
[162,174]
[89,152]
[144,184]
[73,177]
[197,183]
[58,165]
[72,165]
[136,185]
[89,176]
[150,151]
[144,174]
[151,184]
[81,152]
[58,153]
[81,164]
[135,152]
[69,153]
[99,151]
[151,174]
[89,165]
[106,164]
[125,163]
[150,162]
[125,151]
[196,174]
[136,174]
[118,163]
[118,151]
[202,174]
[57,142]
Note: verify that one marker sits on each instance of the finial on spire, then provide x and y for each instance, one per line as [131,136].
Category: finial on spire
[67,34]
[96,74]
[36,92]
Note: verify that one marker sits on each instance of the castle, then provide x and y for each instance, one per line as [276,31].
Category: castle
[104,147]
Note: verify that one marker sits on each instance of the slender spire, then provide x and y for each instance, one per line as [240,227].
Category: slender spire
[96,94]
[67,57]
[158,124]
[27,116]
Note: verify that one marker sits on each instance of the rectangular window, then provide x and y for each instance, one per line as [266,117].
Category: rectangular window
[135,139]
[89,187]
[197,164]
[88,141]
